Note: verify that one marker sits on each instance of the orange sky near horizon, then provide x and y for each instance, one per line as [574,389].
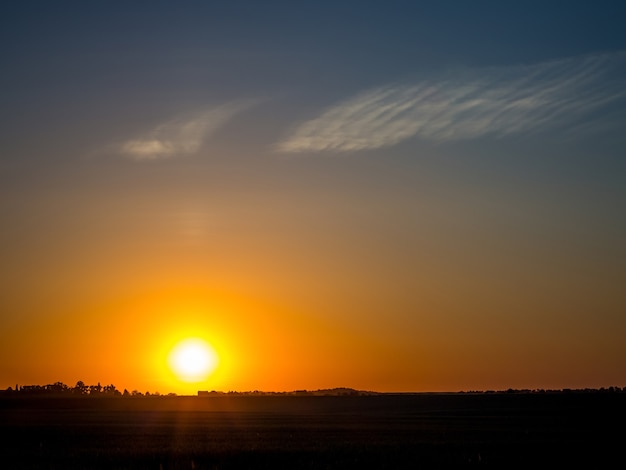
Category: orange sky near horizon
[281,328]
[401,288]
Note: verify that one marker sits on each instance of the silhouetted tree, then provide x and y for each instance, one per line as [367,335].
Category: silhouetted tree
[57,387]
[110,390]
[80,388]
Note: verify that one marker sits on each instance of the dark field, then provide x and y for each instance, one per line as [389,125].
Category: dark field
[367,432]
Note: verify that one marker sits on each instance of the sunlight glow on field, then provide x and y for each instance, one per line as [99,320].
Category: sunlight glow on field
[193,360]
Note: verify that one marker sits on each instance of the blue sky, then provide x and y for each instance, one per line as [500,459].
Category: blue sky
[102,62]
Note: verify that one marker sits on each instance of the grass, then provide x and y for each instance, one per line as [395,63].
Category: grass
[374,432]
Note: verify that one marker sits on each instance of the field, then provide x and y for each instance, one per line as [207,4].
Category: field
[516,430]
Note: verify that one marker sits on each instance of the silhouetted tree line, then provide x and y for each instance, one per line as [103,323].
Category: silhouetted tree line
[353,393]
[558,390]
[336,392]
[98,390]
[59,388]
[80,389]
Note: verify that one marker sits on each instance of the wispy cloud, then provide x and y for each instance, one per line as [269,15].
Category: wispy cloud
[474,103]
[182,135]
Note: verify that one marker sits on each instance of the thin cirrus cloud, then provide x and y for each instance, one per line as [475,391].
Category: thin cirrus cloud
[182,135]
[496,101]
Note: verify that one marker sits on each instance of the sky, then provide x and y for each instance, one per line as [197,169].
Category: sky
[388,196]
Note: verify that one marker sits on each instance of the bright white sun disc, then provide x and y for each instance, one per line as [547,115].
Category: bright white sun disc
[192,360]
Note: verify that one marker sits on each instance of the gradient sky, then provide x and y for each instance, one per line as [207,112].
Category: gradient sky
[391,196]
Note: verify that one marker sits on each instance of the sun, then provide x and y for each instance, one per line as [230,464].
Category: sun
[192,360]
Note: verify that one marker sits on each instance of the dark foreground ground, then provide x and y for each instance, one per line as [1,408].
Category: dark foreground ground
[368,432]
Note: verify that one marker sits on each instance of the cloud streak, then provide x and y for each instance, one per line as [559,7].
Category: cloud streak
[493,102]
[182,135]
